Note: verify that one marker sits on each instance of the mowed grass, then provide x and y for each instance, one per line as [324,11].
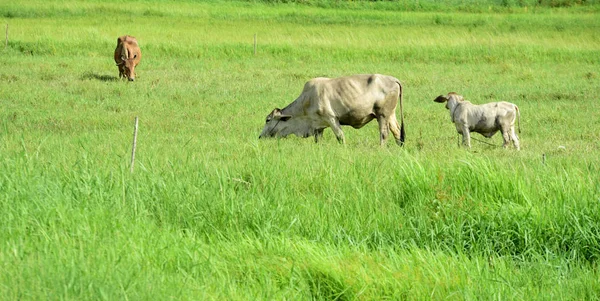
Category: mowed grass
[211,212]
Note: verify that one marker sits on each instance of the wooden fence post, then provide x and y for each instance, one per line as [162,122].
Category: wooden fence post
[135,130]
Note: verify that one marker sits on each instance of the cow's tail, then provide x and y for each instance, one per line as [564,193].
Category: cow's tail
[518,119]
[402,133]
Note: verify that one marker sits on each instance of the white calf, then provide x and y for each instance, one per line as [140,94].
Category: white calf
[486,119]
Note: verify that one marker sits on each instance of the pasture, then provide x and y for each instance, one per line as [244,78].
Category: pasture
[212,213]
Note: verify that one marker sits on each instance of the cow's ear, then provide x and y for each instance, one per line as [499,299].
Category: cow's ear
[441,99]
[285,117]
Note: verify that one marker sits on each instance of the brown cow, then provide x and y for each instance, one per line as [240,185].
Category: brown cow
[127,56]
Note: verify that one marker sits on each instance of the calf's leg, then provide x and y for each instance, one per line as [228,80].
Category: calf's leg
[466,136]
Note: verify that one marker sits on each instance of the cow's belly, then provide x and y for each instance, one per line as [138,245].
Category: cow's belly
[356,121]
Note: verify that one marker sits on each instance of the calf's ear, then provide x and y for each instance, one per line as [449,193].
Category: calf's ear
[441,99]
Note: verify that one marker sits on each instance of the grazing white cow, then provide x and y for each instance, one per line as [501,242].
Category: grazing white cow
[332,102]
[486,119]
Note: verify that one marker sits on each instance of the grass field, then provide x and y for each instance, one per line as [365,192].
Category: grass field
[212,213]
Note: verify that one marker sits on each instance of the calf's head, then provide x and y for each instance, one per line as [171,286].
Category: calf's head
[447,98]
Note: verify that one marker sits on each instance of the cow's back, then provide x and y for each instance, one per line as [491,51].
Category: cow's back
[354,89]
[355,100]
[131,47]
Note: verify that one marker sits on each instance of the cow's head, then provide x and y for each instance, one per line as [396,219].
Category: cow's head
[128,61]
[447,98]
[128,66]
[276,124]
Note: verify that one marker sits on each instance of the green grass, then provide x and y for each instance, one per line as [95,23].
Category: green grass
[211,212]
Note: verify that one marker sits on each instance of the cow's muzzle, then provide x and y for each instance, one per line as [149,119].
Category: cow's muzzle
[131,79]
[265,136]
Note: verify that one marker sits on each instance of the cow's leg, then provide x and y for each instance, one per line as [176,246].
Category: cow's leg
[383,129]
[505,137]
[318,134]
[395,128]
[514,137]
[334,123]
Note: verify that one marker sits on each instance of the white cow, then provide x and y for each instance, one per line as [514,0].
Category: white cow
[332,102]
[486,119]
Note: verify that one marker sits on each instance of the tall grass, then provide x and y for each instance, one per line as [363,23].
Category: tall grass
[212,213]
[445,5]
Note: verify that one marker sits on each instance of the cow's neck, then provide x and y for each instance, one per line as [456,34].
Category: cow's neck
[296,108]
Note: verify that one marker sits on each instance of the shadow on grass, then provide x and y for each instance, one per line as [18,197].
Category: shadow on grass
[104,78]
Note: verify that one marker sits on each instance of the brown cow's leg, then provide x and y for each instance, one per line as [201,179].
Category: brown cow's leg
[121,71]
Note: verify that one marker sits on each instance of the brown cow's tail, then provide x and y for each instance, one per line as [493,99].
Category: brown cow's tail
[518,119]
[402,133]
